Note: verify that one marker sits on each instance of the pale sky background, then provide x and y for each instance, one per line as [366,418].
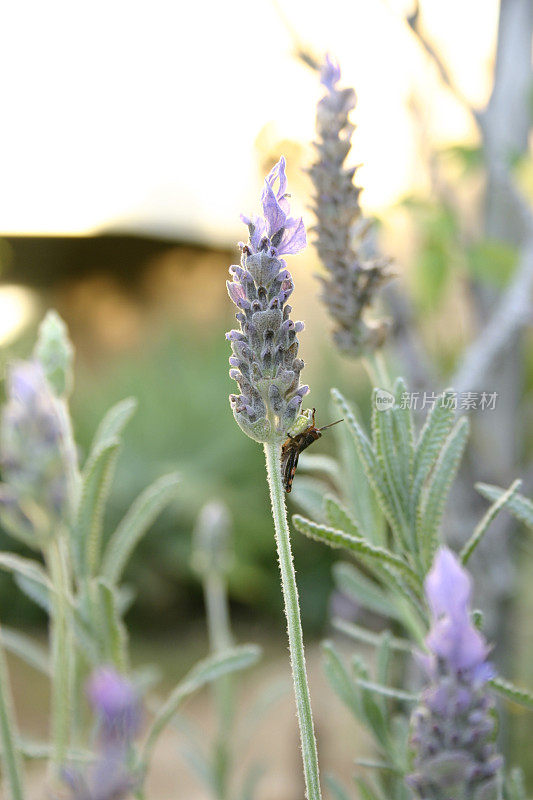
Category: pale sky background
[144,115]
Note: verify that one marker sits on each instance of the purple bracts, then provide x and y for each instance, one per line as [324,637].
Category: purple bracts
[352,281]
[264,358]
[453,727]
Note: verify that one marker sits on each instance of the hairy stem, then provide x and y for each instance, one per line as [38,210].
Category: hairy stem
[11,760]
[294,625]
[62,678]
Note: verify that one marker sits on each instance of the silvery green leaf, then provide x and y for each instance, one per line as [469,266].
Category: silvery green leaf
[27,567]
[112,630]
[383,658]
[350,581]
[37,592]
[482,527]
[515,788]
[390,466]
[249,785]
[434,433]
[203,673]
[336,538]
[338,791]
[340,680]
[520,506]
[267,698]
[403,429]
[114,422]
[388,691]
[522,697]
[308,493]
[339,517]
[12,770]
[360,634]
[433,499]
[362,502]
[21,530]
[320,465]
[25,648]
[135,524]
[55,352]
[96,478]
[367,792]
[369,460]
[35,750]
[201,767]
[370,763]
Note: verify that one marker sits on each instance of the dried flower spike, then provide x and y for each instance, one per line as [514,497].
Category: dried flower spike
[453,728]
[340,230]
[265,360]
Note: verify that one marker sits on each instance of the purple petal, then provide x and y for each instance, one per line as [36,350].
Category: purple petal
[294,237]
[274,214]
[448,585]
[330,73]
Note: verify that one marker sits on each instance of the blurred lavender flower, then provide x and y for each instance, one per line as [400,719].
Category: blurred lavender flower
[352,282]
[34,451]
[265,349]
[454,727]
[116,706]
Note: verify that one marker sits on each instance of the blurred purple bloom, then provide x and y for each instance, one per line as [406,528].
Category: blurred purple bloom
[453,726]
[107,779]
[116,704]
[330,72]
[453,637]
[33,444]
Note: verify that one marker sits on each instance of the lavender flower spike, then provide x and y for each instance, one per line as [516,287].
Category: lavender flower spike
[116,704]
[265,360]
[352,281]
[117,709]
[453,728]
[34,452]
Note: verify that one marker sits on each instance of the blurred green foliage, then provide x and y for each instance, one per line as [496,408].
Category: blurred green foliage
[184,422]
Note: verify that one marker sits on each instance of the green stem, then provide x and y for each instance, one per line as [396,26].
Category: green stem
[61,645]
[11,759]
[294,625]
[220,639]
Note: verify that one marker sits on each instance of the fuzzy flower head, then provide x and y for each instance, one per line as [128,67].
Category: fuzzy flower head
[453,728]
[264,358]
[33,451]
[115,704]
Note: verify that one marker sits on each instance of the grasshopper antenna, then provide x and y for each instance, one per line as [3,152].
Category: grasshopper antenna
[331,423]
